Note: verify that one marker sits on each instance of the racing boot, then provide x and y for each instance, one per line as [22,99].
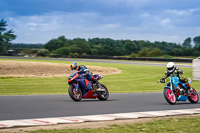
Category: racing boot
[98,85]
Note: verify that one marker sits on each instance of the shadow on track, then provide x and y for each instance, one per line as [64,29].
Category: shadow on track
[93,100]
[179,103]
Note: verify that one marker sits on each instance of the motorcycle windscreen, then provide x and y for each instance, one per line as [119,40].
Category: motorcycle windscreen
[73,72]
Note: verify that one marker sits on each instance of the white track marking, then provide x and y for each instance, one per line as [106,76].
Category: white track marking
[103,117]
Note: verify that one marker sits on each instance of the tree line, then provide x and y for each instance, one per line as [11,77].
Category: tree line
[22,46]
[111,47]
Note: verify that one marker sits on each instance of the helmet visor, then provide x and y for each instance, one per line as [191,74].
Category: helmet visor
[170,68]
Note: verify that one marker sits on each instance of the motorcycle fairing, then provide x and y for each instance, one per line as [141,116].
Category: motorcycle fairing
[176,81]
[90,94]
[85,87]
[182,98]
[72,77]
[86,82]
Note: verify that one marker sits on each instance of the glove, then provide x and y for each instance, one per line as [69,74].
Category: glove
[180,71]
[162,80]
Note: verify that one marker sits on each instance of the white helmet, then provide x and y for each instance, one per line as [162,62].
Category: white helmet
[170,66]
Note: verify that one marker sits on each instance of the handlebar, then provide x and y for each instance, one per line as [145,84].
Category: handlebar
[162,80]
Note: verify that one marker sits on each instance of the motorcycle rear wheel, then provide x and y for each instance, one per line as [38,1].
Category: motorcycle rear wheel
[103,96]
[193,98]
[169,96]
[75,95]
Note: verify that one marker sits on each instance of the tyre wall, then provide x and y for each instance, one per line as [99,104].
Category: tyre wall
[196,69]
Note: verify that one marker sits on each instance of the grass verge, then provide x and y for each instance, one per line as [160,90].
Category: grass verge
[169,125]
[134,78]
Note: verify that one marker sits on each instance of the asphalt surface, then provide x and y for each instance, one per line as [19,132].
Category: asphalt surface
[44,106]
[97,61]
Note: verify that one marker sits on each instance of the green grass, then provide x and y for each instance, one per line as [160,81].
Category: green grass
[134,78]
[181,125]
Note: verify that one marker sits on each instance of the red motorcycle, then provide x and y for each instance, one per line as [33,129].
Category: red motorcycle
[80,87]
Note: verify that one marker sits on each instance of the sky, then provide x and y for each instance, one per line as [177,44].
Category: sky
[38,21]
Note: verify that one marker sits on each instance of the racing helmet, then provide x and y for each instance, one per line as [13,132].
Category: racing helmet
[74,66]
[170,66]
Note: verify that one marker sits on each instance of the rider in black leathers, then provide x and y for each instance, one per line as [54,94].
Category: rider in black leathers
[171,69]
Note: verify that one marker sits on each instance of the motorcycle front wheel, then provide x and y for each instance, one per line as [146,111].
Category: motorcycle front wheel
[169,96]
[193,97]
[102,96]
[75,95]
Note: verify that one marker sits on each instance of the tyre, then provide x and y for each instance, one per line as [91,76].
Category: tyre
[75,95]
[169,96]
[194,97]
[104,94]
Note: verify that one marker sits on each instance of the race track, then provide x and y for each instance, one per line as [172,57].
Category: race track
[44,106]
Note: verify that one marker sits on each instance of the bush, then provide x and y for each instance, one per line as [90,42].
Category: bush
[156,52]
[143,52]
[84,54]
[29,51]
[133,55]
[62,51]
[42,52]
[74,54]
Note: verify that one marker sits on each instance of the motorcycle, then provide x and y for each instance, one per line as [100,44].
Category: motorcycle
[80,87]
[179,89]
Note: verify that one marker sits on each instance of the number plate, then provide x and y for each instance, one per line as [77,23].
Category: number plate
[167,80]
[189,80]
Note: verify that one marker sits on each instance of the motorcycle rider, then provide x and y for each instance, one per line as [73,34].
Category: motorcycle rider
[83,70]
[171,69]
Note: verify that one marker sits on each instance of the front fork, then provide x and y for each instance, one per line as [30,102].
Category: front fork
[172,88]
[76,86]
